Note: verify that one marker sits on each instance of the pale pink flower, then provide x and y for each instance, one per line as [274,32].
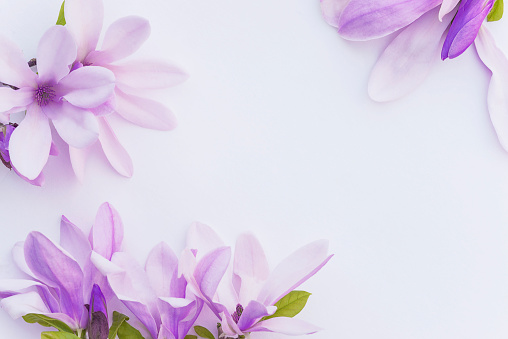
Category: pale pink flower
[53,94]
[124,37]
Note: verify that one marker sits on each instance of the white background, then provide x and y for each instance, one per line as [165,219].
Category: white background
[277,136]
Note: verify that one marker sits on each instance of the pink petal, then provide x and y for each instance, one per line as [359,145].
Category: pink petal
[283,325]
[144,112]
[107,232]
[76,126]
[365,20]
[253,312]
[210,270]
[332,10]
[74,241]
[19,99]
[87,87]
[114,151]
[14,69]
[497,98]
[408,59]
[202,238]
[446,7]
[55,53]
[84,21]
[78,160]
[294,270]
[18,256]
[124,37]
[161,268]
[30,143]
[147,74]
[250,266]
[21,304]
[39,181]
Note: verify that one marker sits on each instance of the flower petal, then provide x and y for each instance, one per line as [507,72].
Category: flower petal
[465,26]
[84,21]
[78,160]
[57,269]
[14,69]
[144,112]
[76,126]
[30,143]
[21,304]
[114,151]
[162,270]
[18,256]
[252,313]
[365,20]
[408,59]
[74,241]
[124,37]
[174,311]
[210,270]
[87,87]
[147,74]
[332,10]
[107,232]
[20,98]
[294,270]
[55,53]
[446,7]
[497,98]
[202,238]
[283,325]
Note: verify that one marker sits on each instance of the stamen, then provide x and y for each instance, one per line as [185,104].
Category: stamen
[238,313]
[44,94]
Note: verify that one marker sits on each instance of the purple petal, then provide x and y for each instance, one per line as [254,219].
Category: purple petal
[332,10]
[175,311]
[78,160]
[124,37]
[76,126]
[55,268]
[21,304]
[84,21]
[497,98]
[447,7]
[253,313]
[162,270]
[30,143]
[14,69]
[98,301]
[210,270]
[465,26]
[114,151]
[144,112]
[74,241]
[165,333]
[283,325]
[107,232]
[294,270]
[203,238]
[55,53]
[365,20]
[87,87]
[147,74]
[18,256]
[39,181]
[10,99]
[408,59]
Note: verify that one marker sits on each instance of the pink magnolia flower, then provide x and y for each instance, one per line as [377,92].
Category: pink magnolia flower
[124,37]
[249,291]
[60,279]
[427,31]
[66,98]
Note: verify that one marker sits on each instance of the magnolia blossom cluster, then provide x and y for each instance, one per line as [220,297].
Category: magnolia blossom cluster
[425,31]
[75,85]
[88,287]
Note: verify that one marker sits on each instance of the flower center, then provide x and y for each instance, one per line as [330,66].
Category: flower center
[44,94]
[238,313]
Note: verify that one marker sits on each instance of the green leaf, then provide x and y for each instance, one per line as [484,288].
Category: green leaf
[46,321]
[496,13]
[61,16]
[126,331]
[58,335]
[190,336]
[290,305]
[118,320]
[203,332]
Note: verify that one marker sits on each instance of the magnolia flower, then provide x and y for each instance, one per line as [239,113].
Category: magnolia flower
[250,292]
[61,278]
[124,37]
[156,295]
[98,327]
[66,98]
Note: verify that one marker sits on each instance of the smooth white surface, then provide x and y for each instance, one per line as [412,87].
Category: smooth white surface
[277,136]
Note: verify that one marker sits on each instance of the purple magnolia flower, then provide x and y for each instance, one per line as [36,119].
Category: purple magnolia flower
[66,98]
[124,37]
[424,34]
[156,295]
[251,291]
[98,327]
[60,279]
